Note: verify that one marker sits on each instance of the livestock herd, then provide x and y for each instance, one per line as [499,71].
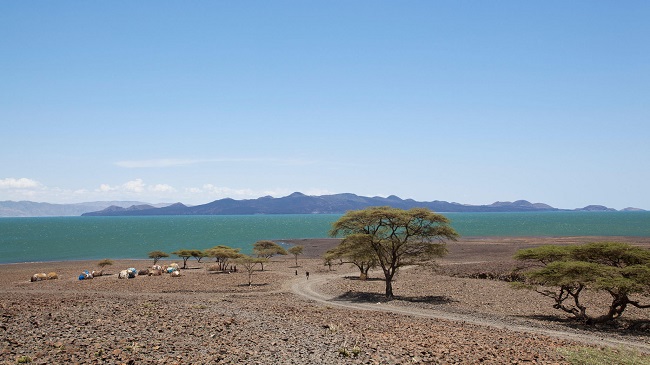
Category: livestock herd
[156,270]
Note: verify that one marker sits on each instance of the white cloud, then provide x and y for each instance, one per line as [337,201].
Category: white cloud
[136,186]
[22,183]
[210,192]
[163,188]
[136,189]
[224,191]
[105,188]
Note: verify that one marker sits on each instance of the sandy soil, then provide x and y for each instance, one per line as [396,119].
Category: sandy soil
[440,316]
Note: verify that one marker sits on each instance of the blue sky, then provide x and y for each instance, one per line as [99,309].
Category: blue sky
[465,101]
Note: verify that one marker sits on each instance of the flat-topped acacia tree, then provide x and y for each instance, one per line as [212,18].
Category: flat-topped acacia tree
[199,254]
[266,249]
[397,237]
[565,272]
[296,251]
[222,255]
[350,251]
[185,255]
[157,255]
[249,263]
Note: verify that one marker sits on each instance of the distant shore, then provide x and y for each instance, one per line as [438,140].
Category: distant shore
[316,247]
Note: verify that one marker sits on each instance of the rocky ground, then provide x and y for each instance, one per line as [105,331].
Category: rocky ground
[201,317]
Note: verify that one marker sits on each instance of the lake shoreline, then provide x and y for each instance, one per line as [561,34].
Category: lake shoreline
[80,238]
[314,248]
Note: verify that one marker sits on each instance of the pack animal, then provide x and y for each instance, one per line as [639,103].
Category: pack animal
[85,275]
[39,277]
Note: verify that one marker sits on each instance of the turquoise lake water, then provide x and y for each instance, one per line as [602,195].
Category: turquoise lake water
[80,238]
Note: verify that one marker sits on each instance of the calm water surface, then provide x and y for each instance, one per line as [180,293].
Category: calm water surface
[77,238]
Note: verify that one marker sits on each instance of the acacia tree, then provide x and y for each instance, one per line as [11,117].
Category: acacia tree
[397,237]
[619,269]
[266,249]
[249,263]
[185,255]
[199,254]
[157,255]
[222,255]
[352,251]
[295,251]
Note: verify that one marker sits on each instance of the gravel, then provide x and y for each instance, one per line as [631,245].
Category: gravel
[216,318]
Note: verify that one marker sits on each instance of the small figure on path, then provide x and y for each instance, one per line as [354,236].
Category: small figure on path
[296,272]
[307,274]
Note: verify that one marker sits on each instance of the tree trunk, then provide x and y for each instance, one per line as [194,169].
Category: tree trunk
[389,272]
[388,275]
[389,289]
[364,273]
[616,309]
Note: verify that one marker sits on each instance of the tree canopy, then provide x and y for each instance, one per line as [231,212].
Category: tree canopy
[157,255]
[267,249]
[618,269]
[249,263]
[296,251]
[186,254]
[351,251]
[199,254]
[222,255]
[397,237]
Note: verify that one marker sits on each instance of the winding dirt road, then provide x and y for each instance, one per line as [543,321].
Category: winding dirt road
[309,290]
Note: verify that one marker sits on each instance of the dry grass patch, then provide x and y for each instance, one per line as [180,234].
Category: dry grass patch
[603,356]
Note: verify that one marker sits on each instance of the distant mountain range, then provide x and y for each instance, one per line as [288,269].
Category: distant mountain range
[33,209]
[296,203]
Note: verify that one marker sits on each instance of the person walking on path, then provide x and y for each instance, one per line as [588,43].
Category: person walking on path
[307,274]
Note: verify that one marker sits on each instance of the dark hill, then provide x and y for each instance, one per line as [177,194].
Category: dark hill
[298,203]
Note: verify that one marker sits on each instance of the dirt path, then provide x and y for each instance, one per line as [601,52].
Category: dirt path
[309,290]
